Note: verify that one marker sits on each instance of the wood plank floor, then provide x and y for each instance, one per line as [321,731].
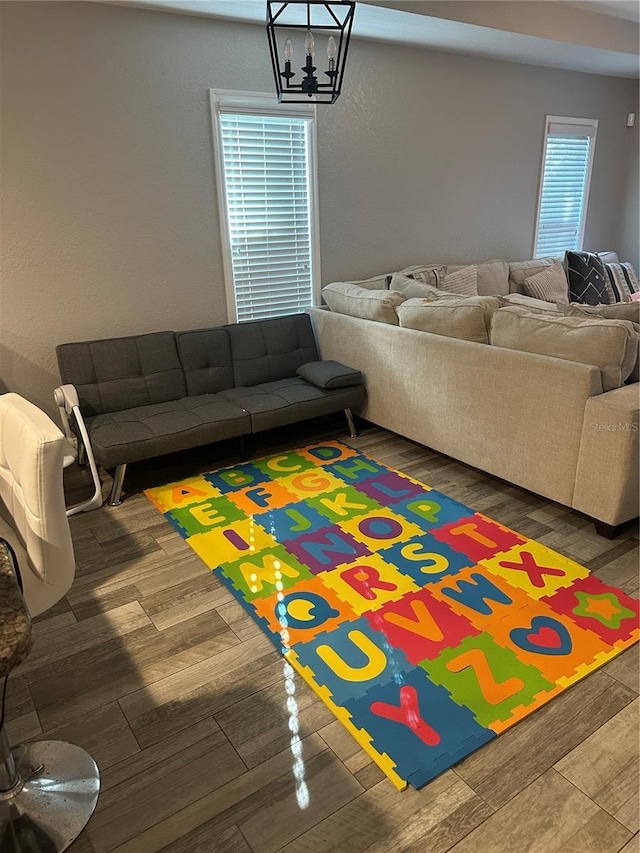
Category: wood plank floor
[152,666]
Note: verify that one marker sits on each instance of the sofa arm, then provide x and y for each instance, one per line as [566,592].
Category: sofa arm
[607,476]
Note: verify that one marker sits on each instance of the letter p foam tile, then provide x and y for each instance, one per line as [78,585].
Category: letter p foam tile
[426,628]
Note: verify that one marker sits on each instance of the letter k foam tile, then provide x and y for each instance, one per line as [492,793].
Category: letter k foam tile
[426,628]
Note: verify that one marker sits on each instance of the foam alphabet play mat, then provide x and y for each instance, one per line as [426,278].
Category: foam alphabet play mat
[427,628]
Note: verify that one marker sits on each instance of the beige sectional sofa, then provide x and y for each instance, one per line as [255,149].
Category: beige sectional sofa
[538,421]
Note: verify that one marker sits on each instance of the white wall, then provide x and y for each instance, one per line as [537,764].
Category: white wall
[109,211]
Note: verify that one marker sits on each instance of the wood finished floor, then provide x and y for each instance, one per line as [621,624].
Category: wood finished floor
[152,666]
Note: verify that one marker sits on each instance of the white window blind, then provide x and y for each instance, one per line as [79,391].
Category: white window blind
[564,185]
[266,165]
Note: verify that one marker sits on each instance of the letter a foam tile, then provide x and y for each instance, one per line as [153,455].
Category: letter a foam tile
[427,628]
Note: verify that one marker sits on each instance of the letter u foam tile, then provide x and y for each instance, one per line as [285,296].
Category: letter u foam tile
[426,628]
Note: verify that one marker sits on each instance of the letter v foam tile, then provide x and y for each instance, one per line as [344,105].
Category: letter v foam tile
[426,628]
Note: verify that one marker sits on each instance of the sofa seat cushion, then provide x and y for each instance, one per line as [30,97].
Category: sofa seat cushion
[147,431]
[285,401]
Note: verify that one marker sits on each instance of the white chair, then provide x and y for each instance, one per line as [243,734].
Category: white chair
[48,789]
[66,399]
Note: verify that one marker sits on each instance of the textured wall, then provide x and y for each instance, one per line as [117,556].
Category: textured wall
[109,211]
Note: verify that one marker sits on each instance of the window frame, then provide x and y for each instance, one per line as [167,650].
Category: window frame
[261,103]
[571,121]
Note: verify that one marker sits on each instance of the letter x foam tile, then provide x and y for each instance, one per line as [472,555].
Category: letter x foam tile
[427,628]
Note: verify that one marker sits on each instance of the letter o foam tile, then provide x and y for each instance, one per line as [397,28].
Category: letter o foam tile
[427,628]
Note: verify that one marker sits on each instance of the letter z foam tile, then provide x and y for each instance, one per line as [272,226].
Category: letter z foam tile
[425,627]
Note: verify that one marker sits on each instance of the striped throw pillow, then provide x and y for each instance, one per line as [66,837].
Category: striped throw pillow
[550,285]
[463,282]
[620,282]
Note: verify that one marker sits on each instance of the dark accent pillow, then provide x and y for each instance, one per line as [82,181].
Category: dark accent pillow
[329,374]
[587,278]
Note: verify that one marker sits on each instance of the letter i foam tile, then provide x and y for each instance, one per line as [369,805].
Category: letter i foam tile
[427,628]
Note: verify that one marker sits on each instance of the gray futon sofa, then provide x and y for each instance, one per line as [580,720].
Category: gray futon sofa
[146,395]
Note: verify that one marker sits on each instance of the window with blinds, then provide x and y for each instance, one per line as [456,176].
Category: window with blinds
[267,166]
[564,184]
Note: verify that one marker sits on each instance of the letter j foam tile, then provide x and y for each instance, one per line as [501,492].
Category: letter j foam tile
[426,628]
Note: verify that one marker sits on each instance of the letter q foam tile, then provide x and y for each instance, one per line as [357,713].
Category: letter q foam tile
[427,628]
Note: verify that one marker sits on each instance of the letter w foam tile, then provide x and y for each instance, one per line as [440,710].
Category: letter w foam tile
[426,627]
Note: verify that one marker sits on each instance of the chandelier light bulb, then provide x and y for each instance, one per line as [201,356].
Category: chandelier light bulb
[331,53]
[309,43]
[288,50]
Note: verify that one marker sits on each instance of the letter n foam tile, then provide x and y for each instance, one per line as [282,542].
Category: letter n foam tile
[420,625]
[603,609]
[422,722]
[351,659]
[488,679]
[534,568]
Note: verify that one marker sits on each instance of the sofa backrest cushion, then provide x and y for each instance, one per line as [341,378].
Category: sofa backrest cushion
[464,317]
[611,345]
[379,305]
[621,311]
[119,373]
[268,350]
[206,360]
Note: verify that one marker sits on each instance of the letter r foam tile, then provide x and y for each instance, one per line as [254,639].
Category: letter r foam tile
[427,628]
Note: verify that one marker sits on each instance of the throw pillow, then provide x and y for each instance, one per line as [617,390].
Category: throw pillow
[463,282]
[379,305]
[586,275]
[467,318]
[620,282]
[529,302]
[411,287]
[519,270]
[610,345]
[550,285]
[329,374]
[378,282]
[429,274]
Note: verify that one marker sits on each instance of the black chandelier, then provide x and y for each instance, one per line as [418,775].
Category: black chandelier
[317,18]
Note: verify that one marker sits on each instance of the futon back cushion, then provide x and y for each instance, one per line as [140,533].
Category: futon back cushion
[206,359]
[267,350]
[120,373]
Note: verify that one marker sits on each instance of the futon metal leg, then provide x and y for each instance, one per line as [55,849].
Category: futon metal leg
[353,432]
[244,451]
[115,496]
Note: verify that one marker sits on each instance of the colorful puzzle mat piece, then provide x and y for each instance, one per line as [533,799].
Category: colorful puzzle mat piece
[427,628]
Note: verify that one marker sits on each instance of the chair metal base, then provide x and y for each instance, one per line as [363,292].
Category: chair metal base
[52,800]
